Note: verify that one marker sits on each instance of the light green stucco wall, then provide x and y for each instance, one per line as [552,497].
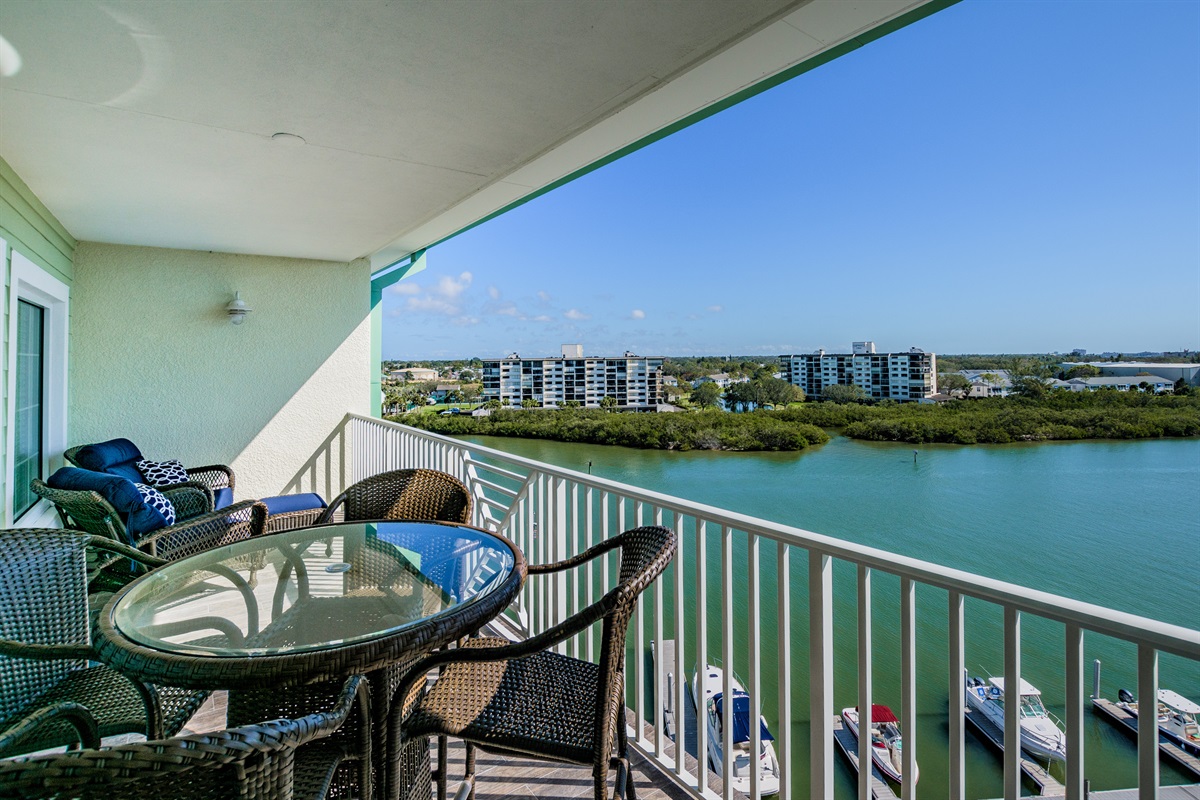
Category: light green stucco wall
[155,358]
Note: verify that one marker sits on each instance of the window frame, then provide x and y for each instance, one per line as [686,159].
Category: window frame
[29,282]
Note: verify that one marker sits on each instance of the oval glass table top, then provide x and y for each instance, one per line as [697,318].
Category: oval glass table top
[312,588]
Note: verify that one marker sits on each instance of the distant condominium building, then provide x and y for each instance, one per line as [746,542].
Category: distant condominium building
[635,382]
[883,376]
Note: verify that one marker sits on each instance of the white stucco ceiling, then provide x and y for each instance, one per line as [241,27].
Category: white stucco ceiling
[151,122]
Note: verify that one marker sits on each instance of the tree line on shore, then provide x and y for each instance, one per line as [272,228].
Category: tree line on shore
[1058,415]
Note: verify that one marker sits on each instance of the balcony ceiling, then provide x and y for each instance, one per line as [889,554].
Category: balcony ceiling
[151,123]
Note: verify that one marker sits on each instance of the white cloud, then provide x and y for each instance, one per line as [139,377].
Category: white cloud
[637,313]
[493,293]
[715,309]
[431,303]
[406,288]
[509,310]
[576,315]
[465,320]
[542,318]
[544,297]
[450,288]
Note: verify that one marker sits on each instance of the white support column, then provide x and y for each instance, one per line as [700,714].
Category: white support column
[701,654]
[820,680]
[726,653]
[677,567]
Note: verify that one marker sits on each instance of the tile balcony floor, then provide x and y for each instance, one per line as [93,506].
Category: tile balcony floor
[500,777]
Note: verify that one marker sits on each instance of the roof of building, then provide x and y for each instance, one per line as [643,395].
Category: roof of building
[1120,380]
[1147,366]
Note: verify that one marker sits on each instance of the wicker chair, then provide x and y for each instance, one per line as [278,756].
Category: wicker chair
[49,696]
[275,760]
[199,527]
[213,476]
[404,494]
[524,699]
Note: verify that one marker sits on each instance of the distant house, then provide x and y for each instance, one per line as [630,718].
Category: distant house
[996,384]
[416,373]
[721,379]
[442,389]
[1121,383]
[670,380]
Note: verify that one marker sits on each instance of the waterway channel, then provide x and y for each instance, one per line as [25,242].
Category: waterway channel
[1111,523]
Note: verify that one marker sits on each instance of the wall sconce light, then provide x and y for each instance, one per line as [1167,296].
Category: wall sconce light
[237,309]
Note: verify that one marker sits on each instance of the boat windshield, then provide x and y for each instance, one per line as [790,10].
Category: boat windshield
[1031,706]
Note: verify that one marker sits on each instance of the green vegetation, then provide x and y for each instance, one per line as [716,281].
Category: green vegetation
[1106,414]
[707,430]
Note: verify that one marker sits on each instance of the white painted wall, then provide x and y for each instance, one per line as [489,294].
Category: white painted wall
[154,357]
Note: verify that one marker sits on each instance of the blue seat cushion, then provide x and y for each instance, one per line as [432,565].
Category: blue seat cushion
[116,457]
[222,497]
[121,494]
[285,503]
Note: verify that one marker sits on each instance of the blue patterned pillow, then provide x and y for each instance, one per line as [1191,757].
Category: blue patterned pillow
[162,473]
[156,500]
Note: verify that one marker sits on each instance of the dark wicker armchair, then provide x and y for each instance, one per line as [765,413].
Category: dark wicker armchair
[524,699]
[404,494]
[49,696]
[275,760]
[199,527]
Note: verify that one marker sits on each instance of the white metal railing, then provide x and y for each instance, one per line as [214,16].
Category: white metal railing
[551,513]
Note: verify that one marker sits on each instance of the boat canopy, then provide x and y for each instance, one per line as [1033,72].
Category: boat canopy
[1026,686]
[881,713]
[1177,701]
[741,717]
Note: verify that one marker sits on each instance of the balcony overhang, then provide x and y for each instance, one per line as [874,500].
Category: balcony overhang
[155,123]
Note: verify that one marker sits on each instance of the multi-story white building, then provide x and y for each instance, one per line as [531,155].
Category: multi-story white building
[883,376]
[635,382]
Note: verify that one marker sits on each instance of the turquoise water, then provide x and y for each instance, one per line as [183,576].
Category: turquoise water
[1111,523]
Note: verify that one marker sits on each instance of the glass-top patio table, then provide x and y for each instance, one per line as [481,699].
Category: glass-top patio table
[310,605]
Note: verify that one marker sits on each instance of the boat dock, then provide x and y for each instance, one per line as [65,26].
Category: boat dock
[848,744]
[1129,723]
[684,719]
[1046,784]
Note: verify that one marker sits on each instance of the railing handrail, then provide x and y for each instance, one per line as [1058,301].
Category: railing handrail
[1163,636]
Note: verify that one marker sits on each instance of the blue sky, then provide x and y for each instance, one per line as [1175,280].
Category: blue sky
[999,177]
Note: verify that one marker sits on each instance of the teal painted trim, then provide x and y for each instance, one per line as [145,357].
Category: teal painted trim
[902,21]
[380,281]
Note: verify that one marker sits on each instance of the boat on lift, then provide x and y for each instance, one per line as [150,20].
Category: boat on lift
[887,743]
[719,711]
[1040,734]
[1176,717]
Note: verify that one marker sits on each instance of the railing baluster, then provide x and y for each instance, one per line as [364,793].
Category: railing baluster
[639,651]
[677,668]
[573,524]
[701,656]
[561,551]
[1012,710]
[820,679]
[1147,735]
[726,654]
[590,594]
[908,686]
[1074,721]
[865,687]
[754,605]
[659,660]
[958,744]
[783,736]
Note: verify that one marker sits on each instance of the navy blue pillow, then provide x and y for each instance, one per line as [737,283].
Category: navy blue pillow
[121,494]
[116,457]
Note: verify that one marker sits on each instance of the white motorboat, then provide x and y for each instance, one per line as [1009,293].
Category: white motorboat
[718,711]
[1040,736]
[1176,717]
[887,744]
